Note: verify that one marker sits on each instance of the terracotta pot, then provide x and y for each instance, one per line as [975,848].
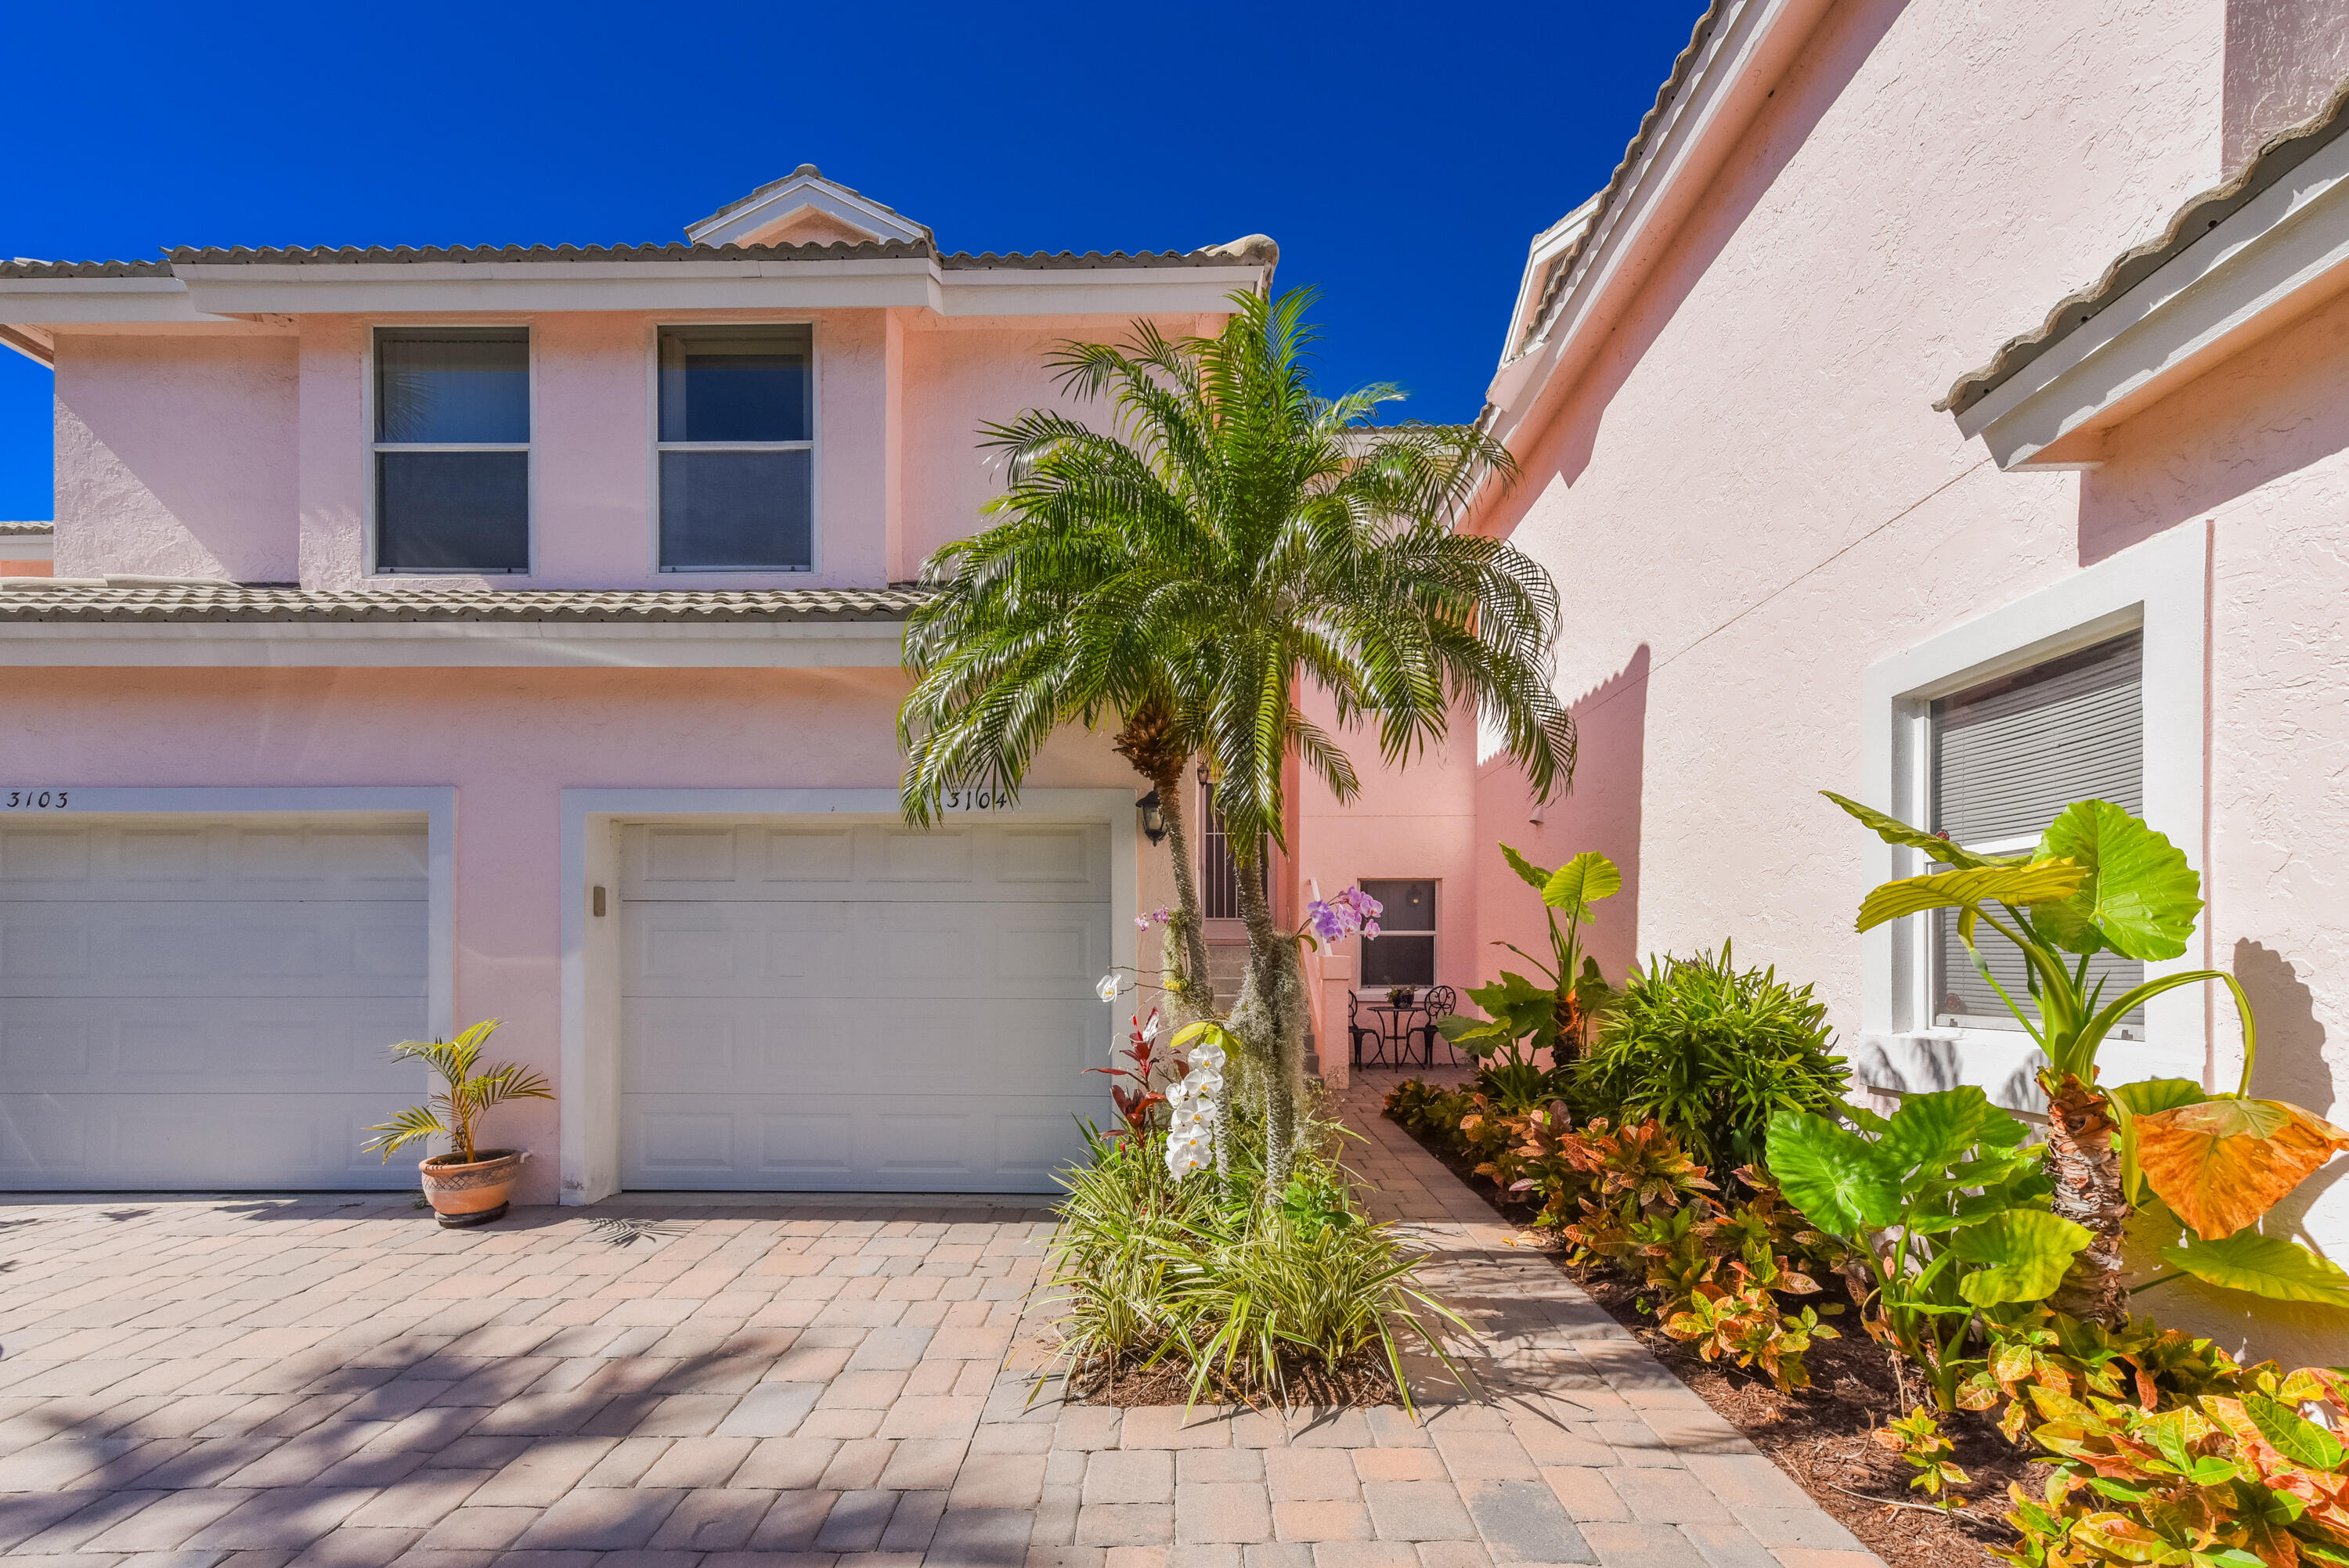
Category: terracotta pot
[475,1193]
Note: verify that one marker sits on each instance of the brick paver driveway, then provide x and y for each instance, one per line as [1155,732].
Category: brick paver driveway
[252,1383]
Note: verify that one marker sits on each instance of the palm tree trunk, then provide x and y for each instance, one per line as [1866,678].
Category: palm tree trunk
[1183,956]
[1269,1019]
[2087,1170]
[1185,960]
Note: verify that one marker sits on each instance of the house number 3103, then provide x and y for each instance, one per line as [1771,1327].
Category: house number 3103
[35,800]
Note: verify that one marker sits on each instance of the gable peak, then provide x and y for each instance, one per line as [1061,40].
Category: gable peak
[804,207]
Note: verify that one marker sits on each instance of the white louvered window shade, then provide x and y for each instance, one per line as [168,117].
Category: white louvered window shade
[2006,756]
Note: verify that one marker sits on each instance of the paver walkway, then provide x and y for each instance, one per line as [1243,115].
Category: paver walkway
[335,1381]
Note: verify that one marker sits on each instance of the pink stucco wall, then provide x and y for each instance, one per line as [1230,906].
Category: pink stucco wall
[1415,822]
[175,454]
[247,457]
[2284,59]
[1748,500]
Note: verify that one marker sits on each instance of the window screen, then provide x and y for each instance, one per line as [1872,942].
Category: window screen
[452,449]
[1403,953]
[2007,756]
[736,452]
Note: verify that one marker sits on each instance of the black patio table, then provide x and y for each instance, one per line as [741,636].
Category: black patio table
[1394,1025]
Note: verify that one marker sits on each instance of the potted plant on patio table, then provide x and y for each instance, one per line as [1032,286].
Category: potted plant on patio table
[467,1185]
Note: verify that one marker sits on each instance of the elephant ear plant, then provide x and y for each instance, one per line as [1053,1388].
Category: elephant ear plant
[1943,1206]
[2101,880]
[1522,1017]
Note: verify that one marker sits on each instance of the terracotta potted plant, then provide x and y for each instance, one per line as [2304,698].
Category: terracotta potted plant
[468,1185]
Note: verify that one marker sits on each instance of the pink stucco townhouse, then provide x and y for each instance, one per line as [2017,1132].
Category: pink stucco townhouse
[450,633]
[1947,403]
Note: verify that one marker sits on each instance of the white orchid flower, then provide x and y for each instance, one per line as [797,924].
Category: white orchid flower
[1107,989]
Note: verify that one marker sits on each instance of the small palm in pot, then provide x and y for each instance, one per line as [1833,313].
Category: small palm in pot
[468,1185]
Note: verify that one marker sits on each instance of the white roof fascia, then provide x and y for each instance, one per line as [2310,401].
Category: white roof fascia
[1682,152]
[441,645]
[296,289]
[96,300]
[1094,291]
[229,291]
[2281,254]
[808,191]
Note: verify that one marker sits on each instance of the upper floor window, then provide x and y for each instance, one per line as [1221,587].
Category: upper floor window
[452,448]
[737,448]
[2006,756]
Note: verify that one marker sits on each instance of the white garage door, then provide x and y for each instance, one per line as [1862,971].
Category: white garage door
[855,1005]
[205,1005]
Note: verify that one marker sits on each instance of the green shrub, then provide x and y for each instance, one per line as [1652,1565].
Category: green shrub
[1712,1053]
[1422,1107]
[1229,1289]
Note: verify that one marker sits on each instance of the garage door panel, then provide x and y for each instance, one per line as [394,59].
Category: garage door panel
[859,1004]
[136,862]
[915,1143]
[866,863]
[208,1003]
[170,1142]
[195,949]
[801,952]
[250,1045]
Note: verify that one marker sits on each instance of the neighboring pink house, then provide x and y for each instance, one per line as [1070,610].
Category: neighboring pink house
[452,632]
[1823,519]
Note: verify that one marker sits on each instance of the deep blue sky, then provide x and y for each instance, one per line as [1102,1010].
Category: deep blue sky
[1402,155]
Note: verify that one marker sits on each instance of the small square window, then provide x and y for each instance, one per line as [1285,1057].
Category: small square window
[1403,953]
[737,448]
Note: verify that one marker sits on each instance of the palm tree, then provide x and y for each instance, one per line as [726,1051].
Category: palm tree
[1230,536]
[1022,639]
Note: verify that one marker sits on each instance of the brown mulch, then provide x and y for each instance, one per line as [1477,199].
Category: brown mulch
[1364,1380]
[1820,1436]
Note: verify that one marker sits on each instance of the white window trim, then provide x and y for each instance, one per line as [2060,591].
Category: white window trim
[587,1089]
[2161,587]
[371,491]
[813,446]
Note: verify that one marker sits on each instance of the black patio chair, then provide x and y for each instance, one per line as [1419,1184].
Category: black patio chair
[1361,1031]
[1435,1002]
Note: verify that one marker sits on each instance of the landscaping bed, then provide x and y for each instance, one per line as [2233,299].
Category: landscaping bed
[1821,1436]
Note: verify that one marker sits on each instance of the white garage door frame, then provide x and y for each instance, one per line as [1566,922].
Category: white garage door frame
[589,1086]
[434,804]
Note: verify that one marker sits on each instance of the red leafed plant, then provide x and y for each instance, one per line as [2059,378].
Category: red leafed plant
[1145,1061]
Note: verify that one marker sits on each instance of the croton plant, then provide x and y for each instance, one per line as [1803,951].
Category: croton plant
[2101,880]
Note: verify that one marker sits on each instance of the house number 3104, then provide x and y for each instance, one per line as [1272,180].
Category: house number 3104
[36,800]
[973,799]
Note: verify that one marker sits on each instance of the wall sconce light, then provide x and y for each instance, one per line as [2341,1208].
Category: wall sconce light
[1154,820]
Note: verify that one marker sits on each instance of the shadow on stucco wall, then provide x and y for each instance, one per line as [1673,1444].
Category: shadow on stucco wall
[1601,813]
[2290,1065]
